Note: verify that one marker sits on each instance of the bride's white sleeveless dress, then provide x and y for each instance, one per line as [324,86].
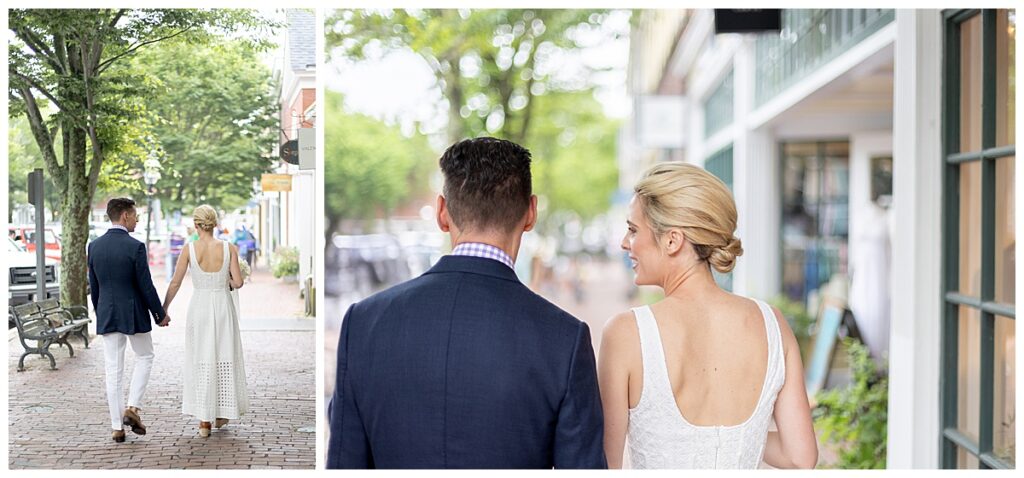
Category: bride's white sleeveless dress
[214,369]
[660,437]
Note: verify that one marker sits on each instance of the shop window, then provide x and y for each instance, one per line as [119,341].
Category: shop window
[978,324]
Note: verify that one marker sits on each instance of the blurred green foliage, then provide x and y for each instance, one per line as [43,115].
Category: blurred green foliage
[853,420]
[369,166]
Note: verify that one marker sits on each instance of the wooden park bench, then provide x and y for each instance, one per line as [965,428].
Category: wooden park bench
[43,329]
[75,315]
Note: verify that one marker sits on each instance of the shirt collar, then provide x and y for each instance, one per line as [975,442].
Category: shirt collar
[118,226]
[479,249]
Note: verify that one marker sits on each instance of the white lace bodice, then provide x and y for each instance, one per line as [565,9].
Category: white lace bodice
[202,280]
[659,436]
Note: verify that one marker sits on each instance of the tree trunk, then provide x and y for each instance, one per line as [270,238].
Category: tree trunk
[75,227]
[453,87]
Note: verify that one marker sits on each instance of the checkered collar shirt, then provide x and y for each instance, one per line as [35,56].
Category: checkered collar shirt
[118,226]
[478,249]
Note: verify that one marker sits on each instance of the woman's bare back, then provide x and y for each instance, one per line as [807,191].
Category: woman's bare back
[209,254]
[716,355]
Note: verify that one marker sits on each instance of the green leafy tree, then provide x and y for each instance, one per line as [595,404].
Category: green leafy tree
[78,63]
[118,177]
[574,146]
[488,63]
[215,118]
[23,157]
[369,167]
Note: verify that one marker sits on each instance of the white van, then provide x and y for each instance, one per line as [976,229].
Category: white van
[22,275]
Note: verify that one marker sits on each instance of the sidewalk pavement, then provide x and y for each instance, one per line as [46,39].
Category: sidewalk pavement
[59,419]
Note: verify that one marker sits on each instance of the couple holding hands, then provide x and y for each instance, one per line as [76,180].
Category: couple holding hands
[466,367]
[125,301]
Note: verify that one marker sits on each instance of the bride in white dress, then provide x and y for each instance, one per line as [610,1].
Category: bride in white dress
[215,390]
[694,380]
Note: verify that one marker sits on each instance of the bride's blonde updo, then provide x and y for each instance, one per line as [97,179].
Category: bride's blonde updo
[682,195]
[205,217]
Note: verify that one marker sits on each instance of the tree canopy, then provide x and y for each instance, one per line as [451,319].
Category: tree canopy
[489,63]
[501,74]
[214,115]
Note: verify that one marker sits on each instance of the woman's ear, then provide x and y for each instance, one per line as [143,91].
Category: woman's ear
[674,240]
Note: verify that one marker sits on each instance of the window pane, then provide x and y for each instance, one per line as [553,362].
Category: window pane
[841,149]
[815,216]
[1006,238]
[799,216]
[970,84]
[835,199]
[1006,89]
[965,460]
[970,229]
[968,373]
[1004,409]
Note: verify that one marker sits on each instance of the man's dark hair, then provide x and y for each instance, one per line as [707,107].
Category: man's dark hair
[117,206]
[486,183]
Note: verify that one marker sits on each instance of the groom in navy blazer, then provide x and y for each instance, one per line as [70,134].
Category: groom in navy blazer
[124,300]
[464,366]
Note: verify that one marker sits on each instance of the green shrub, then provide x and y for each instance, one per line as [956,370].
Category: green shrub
[285,262]
[853,420]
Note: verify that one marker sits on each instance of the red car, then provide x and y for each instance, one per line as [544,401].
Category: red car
[26,235]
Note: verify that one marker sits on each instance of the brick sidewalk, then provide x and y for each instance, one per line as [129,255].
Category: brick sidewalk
[58,419]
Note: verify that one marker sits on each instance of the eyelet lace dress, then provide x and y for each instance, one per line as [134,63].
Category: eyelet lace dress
[659,436]
[214,368]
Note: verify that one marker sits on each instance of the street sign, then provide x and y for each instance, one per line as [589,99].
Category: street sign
[747,20]
[290,152]
[35,188]
[307,148]
[661,121]
[276,182]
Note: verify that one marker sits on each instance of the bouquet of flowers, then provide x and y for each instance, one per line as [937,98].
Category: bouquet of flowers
[246,270]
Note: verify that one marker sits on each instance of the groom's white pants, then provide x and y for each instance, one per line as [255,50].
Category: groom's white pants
[113,351]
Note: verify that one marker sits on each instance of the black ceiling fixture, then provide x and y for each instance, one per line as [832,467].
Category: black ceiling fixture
[747,20]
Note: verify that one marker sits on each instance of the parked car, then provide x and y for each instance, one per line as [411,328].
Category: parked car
[21,266]
[25,236]
[364,264]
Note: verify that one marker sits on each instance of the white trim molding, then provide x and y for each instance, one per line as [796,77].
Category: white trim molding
[916,312]
[855,56]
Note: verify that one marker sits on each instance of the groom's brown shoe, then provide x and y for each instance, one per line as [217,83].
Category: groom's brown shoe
[131,418]
[118,435]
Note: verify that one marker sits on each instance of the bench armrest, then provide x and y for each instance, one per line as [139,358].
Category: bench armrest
[78,311]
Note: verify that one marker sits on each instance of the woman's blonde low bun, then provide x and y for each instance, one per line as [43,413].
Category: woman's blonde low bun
[205,217]
[723,259]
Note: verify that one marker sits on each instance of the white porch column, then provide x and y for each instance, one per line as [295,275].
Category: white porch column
[917,186]
[756,189]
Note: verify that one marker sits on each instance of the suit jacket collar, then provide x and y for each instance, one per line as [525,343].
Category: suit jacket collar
[115,230]
[474,265]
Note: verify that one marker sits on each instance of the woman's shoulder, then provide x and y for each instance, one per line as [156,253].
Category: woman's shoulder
[785,331]
[621,326]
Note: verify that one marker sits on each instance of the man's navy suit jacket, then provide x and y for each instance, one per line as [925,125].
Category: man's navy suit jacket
[464,367]
[122,290]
